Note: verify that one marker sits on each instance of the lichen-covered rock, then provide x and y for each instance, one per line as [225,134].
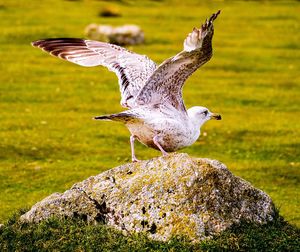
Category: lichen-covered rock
[165,197]
[120,35]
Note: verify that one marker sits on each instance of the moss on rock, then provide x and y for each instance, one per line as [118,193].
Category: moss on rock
[164,197]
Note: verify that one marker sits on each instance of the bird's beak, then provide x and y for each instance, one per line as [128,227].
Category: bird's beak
[215,116]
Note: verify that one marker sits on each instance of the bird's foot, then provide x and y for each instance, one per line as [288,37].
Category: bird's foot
[134,159]
[164,153]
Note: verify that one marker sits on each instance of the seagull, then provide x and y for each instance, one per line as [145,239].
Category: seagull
[152,94]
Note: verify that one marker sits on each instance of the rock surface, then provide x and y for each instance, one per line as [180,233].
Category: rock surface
[120,35]
[164,197]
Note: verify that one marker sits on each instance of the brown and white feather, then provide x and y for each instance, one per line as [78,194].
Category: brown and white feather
[132,69]
[165,84]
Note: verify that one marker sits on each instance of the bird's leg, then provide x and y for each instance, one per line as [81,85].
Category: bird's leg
[155,141]
[133,157]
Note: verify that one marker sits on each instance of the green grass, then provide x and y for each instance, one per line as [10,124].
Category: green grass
[77,235]
[49,142]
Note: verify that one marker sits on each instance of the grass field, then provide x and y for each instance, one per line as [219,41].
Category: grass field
[77,235]
[49,142]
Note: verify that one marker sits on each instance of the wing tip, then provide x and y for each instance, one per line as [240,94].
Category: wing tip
[195,39]
[214,16]
[38,43]
[209,22]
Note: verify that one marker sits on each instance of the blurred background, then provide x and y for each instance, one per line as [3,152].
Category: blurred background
[49,142]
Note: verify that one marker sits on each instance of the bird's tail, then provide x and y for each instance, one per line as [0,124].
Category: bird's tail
[104,117]
[120,117]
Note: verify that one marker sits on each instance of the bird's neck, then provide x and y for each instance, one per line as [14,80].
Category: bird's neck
[195,121]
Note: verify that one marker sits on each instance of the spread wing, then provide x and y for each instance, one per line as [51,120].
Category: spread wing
[132,69]
[165,84]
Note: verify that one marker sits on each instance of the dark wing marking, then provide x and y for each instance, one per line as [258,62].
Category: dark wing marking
[132,69]
[165,84]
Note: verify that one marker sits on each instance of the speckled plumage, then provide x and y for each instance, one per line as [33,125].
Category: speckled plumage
[157,115]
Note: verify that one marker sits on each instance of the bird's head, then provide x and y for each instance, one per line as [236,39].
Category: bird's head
[199,115]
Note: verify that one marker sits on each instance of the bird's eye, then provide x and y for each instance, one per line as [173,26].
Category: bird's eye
[205,112]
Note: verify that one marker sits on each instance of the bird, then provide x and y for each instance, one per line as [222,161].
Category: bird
[155,112]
